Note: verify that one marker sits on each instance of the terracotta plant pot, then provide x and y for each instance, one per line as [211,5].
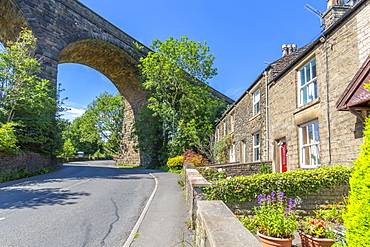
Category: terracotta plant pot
[309,241]
[267,241]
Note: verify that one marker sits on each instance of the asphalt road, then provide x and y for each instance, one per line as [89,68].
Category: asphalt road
[82,204]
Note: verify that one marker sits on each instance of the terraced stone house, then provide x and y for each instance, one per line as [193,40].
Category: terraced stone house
[306,109]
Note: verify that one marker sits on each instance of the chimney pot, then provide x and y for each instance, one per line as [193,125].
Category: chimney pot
[284,49]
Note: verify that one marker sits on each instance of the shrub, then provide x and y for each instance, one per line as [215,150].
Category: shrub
[291,183]
[357,218]
[194,158]
[212,174]
[265,169]
[175,162]
[8,139]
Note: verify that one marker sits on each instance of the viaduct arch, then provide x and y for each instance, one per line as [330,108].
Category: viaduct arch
[69,32]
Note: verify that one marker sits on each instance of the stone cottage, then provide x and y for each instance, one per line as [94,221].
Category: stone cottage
[288,116]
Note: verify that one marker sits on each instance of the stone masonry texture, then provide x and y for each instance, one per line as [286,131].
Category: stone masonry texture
[69,32]
[339,54]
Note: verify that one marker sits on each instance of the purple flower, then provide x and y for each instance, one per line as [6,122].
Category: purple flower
[261,199]
[272,196]
[281,196]
[291,203]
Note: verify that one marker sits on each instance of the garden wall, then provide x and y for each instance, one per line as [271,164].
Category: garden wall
[235,170]
[310,202]
[215,225]
[28,161]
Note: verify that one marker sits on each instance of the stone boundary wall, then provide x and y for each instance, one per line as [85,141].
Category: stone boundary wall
[215,225]
[310,202]
[29,161]
[237,169]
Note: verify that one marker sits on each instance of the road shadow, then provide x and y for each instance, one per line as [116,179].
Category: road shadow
[27,193]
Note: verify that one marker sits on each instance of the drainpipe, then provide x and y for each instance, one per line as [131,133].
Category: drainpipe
[267,116]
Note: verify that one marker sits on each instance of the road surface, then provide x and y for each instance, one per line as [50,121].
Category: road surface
[89,204]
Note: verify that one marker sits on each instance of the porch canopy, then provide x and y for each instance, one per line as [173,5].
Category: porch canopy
[356,98]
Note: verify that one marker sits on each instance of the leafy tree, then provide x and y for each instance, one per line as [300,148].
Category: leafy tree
[176,75]
[99,126]
[26,99]
[68,149]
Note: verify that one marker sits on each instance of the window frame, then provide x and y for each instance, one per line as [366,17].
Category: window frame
[312,145]
[256,147]
[310,83]
[243,151]
[256,103]
[232,152]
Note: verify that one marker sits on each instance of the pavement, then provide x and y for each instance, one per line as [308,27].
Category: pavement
[164,223]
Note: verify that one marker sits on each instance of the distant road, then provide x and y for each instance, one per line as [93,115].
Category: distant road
[91,203]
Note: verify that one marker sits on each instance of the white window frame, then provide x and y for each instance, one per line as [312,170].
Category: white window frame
[232,152]
[257,147]
[309,136]
[257,101]
[307,86]
[243,151]
[225,130]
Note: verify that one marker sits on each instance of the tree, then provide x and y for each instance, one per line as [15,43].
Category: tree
[26,99]
[176,75]
[68,149]
[100,125]
[8,139]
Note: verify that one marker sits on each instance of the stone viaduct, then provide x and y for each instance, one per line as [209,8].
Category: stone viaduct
[69,32]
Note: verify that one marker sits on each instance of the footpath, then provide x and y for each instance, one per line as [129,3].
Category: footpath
[164,223]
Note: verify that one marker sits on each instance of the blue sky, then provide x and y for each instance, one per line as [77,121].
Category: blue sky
[242,35]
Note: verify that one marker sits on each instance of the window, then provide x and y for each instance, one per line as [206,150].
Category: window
[307,83]
[309,144]
[225,130]
[256,102]
[256,147]
[243,151]
[232,122]
[232,152]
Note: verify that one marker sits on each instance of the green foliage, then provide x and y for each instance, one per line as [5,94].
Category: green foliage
[8,139]
[148,129]
[265,169]
[175,162]
[291,183]
[175,75]
[221,148]
[357,218]
[100,126]
[275,216]
[194,158]
[212,174]
[68,149]
[250,223]
[26,99]
[9,176]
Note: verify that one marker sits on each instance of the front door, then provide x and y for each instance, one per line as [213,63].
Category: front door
[283,158]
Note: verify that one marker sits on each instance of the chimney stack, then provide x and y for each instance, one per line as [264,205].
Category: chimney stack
[287,49]
[335,9]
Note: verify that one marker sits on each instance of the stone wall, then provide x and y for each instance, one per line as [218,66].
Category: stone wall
[310,202]
[215,225]
[235,170]
[28,161]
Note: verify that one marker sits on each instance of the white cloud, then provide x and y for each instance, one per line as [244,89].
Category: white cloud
[72,113]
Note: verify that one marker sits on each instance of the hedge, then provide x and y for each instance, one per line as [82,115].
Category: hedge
[292,183]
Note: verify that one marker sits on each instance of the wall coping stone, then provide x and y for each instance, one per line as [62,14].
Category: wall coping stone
[222,227]
[195,179]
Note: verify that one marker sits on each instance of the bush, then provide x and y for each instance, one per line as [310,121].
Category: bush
[194,158]
[8,139]
[291,183]
[357,218]
[175,162]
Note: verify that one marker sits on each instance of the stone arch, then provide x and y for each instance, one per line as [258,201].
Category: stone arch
[122,70]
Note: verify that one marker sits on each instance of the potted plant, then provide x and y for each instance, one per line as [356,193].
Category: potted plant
[275,219]
[325,229]
[316,232]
